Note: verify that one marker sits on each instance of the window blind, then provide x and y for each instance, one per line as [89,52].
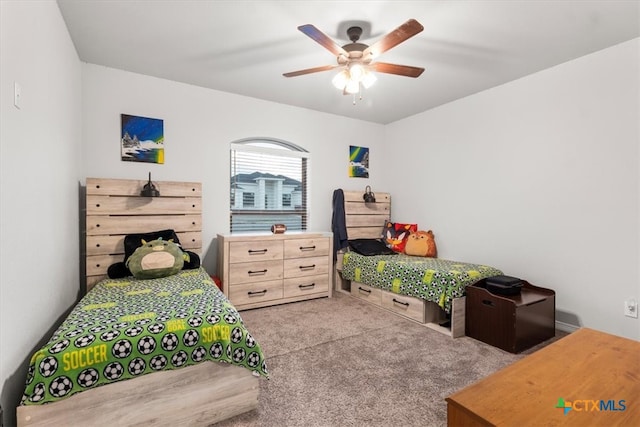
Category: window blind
[268,185]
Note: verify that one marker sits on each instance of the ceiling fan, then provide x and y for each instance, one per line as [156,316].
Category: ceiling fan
[357,59]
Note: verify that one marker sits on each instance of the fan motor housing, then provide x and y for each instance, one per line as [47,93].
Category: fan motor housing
[354,34]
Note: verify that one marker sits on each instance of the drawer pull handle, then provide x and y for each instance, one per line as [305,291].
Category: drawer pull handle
[257,251]
[312,285]
[256,272]
[307,248]
[406,304]
[252,293]
[487,302]
[364,290]
[307,267]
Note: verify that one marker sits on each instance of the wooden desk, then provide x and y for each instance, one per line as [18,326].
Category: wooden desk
[584,368]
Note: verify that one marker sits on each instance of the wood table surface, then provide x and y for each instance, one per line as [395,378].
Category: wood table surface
[594,373]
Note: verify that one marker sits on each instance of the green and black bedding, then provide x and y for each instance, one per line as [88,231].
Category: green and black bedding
[432,279]
[124,328]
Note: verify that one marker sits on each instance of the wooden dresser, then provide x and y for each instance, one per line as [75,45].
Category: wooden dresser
[588,378]
[263,269]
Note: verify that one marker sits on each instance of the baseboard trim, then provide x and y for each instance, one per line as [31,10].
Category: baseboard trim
[566,327]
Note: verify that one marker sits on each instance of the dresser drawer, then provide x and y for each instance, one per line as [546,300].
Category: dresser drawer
[297,248]
[256,292]
[305,285]
[367,293]
[263,250]
[413,308]
[306,266]
[251,272]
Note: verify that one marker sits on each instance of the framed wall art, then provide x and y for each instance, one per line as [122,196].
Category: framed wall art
[141,139]
[358,162]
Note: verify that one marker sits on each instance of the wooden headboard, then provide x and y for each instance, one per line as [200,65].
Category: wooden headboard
[366,220]
[114,208]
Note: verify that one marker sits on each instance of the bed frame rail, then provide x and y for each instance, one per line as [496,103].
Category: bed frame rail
[198,395]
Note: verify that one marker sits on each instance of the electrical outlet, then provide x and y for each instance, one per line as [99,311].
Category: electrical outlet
[631,308]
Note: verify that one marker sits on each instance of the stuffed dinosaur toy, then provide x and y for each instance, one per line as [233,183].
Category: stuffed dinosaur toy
[157,258]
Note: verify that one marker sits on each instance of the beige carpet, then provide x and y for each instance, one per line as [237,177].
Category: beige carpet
[342,362]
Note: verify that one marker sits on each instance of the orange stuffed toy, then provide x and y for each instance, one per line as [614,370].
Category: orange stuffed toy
[421,243]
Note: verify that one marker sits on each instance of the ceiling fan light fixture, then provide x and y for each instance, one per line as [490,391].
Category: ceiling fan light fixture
[349,80]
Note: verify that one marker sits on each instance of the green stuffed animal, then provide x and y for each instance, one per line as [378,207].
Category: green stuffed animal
[154,259]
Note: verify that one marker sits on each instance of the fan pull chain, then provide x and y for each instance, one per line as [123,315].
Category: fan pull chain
[359,94]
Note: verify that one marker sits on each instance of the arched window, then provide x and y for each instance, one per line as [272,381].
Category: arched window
[269,185]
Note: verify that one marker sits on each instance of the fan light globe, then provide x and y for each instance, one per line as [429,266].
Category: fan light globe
[368,79]
[357,71]
[353,86]
[340,80]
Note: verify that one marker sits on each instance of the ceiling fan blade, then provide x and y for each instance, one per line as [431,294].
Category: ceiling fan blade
[310,70]
[394,38]
[401,70]
[323,39]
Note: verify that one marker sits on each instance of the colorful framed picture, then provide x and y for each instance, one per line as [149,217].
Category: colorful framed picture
[141,139]
[358,162]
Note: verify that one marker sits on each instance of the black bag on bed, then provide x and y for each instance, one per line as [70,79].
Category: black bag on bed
[504,285]
[370,247]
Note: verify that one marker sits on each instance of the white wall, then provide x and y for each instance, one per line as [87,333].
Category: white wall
[199,125]
[39,167]
[538,177]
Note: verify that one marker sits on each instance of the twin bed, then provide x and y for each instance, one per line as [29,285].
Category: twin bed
[179,343]
[428,290]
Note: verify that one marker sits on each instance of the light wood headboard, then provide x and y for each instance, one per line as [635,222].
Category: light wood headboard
[114,208]
[366,220]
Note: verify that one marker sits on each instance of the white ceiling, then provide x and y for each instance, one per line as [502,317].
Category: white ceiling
[243,47]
